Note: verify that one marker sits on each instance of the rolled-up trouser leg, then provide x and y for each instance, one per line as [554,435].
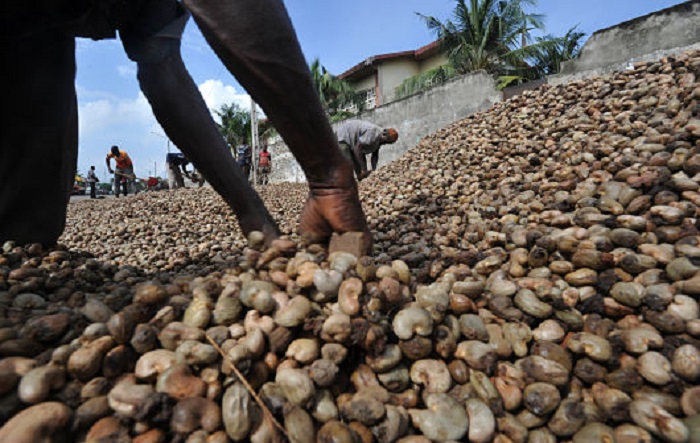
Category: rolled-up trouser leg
[38,137]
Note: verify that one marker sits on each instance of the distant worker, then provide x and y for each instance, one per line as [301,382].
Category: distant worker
[198,178]
[175,162]
[123,172]
[243,157]
[264,166]
[358,138]
[92,181]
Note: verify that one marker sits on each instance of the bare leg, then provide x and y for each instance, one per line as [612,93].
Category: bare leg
[150,37]
[181,111]
[38,138]
[256,41]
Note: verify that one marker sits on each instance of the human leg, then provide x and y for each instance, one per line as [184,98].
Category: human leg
[39,137]
[93,192]
[178,177]
[181,111]
[172,184]
[256,42]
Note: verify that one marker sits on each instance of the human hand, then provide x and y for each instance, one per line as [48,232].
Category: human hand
[333,207]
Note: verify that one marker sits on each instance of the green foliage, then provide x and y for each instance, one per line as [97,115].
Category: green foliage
[235,124]
[495,35]
[506,80]
[548,58]
[483,33]
[425,80]
[335,94]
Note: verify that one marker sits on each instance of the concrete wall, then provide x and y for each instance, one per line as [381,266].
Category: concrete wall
[414,117]
[645,38]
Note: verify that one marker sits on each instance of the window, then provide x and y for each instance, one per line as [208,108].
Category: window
[370,98]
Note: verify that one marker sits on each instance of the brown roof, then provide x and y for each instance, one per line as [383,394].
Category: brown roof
[369,65]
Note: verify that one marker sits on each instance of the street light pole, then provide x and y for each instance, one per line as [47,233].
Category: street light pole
[254,139]
[166,139]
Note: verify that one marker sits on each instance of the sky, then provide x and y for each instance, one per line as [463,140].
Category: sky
[112,109]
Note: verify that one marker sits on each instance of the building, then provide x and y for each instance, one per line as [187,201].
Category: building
[378,76]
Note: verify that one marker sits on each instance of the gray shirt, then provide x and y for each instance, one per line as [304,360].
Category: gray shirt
[358,132]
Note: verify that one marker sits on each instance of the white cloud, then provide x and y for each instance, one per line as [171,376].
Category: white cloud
[217,94]
[106,113]
[106,119]
[127,71]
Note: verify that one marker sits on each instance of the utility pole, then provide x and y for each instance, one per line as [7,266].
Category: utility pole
[254,139]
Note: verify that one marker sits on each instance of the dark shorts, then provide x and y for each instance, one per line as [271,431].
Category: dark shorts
[150,30]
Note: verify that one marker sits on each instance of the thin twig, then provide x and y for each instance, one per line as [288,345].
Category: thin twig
[258,400]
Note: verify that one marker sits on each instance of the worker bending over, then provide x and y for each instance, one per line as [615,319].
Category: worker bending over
[359,138]
[176,161]
[123,171]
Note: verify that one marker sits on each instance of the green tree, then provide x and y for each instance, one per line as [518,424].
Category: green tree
[235,124]
[335,94]
[547,59]
[492,35]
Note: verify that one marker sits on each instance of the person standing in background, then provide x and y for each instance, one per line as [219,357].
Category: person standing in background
[243,157]
[264,166]
[92,181]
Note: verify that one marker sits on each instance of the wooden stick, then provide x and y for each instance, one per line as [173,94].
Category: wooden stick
[258,400]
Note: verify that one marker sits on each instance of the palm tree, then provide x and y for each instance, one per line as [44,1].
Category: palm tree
[335,94]
[488,34]
[526,21]
[235,124]
[548,59]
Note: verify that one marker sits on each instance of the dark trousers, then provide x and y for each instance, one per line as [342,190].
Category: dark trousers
[93,192]
[39,137]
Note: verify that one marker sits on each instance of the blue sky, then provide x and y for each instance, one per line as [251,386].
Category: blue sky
[339,33]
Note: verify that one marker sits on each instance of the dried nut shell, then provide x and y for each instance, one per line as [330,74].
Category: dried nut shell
[35,385]
[239,412]
[296,385]
[299,425]
[36,422]
[482,423]
[690,401]
[686,362]
[655,368]
[541,398]
[412,320]
[432,374]
[658,421]
[595,347]
[444,419]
